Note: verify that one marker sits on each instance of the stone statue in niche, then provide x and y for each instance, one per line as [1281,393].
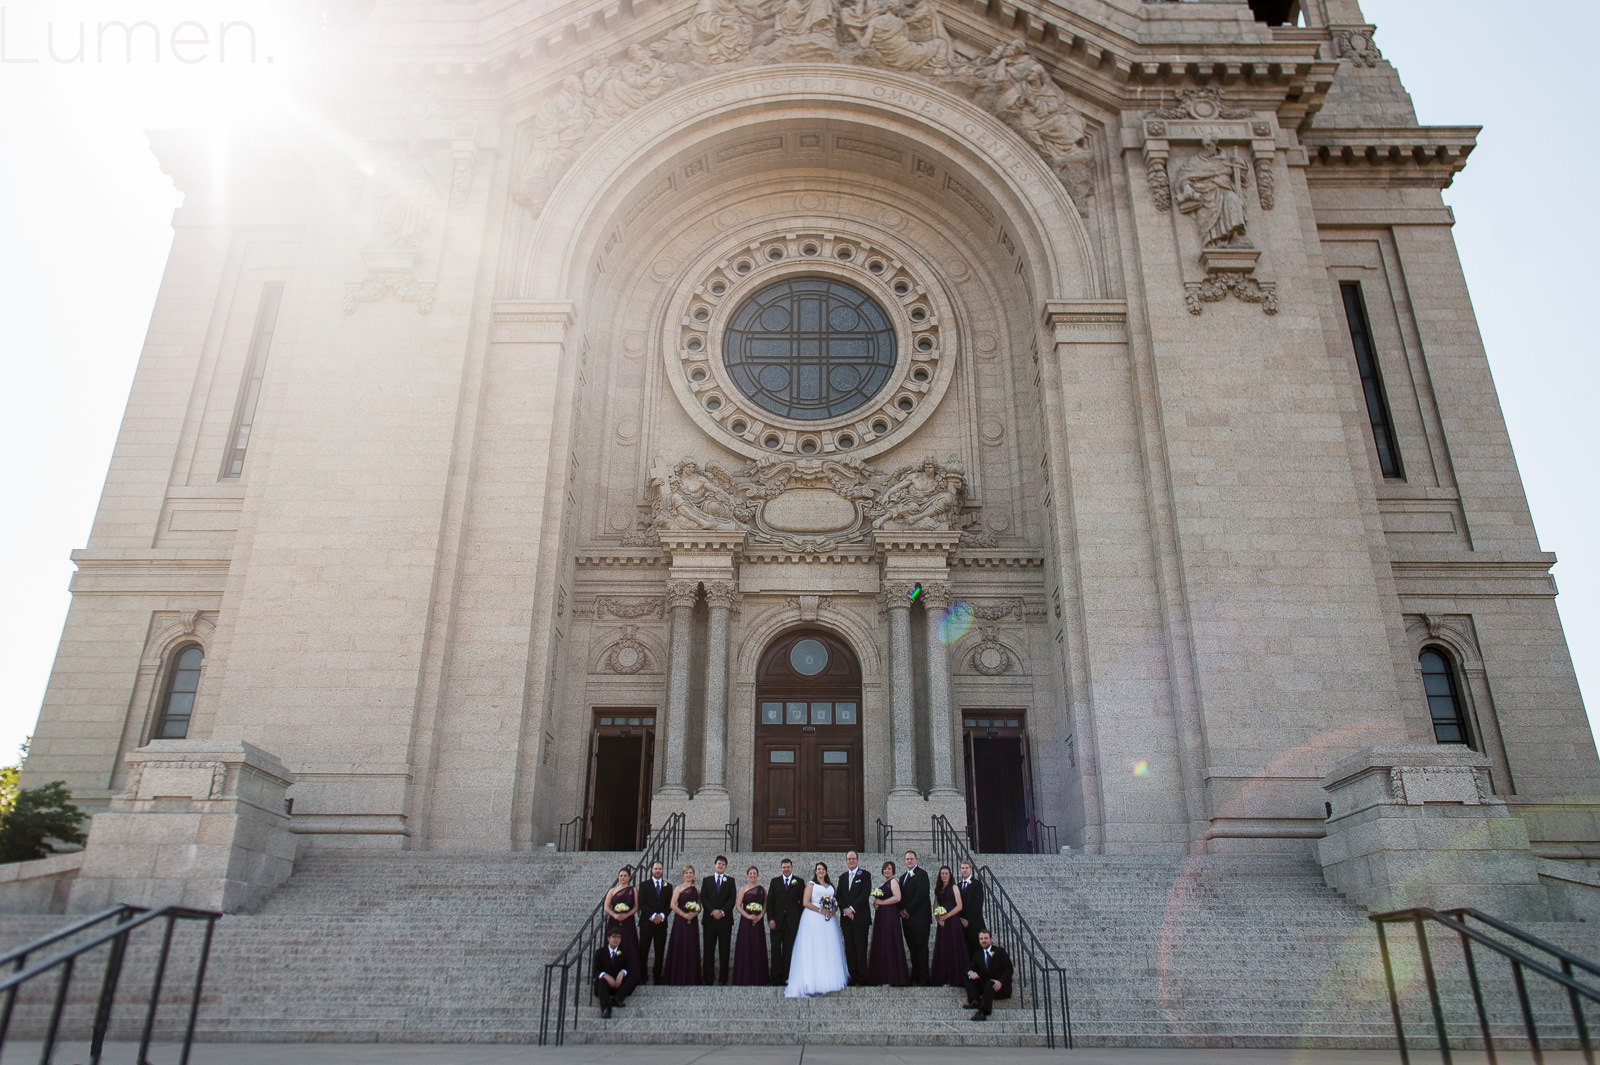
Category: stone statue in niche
[926,497]
[689,496]
[906,36]
[411,194]
[1211,187]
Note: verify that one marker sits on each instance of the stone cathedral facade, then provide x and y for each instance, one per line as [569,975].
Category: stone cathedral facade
[1066,418]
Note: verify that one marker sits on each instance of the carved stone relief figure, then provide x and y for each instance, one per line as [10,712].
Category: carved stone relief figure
[617,91]
[558,131]
[1016,88]
[906,36]
[804,29]
[1209,186]
[926,497]
[691,496]
[719,31]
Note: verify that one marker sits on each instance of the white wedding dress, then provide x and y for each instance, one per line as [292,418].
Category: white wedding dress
[817,966]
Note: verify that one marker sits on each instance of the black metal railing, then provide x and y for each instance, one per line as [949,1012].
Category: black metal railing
[569,836]
[565,973]
[1522,963]
[885,836]
[128,919]
[1045,840]
[730,836]
[1037,979]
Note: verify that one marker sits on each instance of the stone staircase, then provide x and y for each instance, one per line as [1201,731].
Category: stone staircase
[1210,951]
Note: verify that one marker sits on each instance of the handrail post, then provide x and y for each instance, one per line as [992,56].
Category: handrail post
[1394,997]
[108,991]
[1527,1012]
[1433,990]
[1477,998]
[194,1000]
[47,1055]
[155,991]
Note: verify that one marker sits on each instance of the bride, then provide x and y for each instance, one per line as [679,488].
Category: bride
[817,965]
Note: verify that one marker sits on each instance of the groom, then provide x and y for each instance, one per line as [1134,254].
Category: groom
[916,916]
[785,902]
[855,914]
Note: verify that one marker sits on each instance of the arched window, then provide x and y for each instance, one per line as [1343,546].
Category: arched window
[177,700]
[1444,698]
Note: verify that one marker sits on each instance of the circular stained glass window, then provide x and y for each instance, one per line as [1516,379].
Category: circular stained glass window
[808,657]
[809,348]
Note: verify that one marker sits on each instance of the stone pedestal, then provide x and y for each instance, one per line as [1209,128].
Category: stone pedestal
[201,825]
[912,818]
[1417,826]
[705,816]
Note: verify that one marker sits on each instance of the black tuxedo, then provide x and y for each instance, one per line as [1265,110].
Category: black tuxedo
[971,912]
[605,964]
[916,919]
[784,906]
[997,967]
[651,902]
[714,932]
[855,892]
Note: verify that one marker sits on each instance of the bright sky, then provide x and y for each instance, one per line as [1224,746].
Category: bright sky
[85,212]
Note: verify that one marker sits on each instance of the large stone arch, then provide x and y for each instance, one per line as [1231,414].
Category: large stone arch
[975,157]
[759,634]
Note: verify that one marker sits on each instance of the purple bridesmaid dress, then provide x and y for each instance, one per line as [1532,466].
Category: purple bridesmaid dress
[750,953]
[949,947]
[630,930]
[886,959]
[682,968]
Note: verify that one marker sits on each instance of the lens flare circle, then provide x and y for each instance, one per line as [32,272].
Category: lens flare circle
[955,621]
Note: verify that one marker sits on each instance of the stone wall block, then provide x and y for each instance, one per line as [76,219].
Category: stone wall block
[201,825]
[1418,826]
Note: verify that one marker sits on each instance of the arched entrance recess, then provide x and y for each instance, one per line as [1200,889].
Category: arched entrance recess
[808,772]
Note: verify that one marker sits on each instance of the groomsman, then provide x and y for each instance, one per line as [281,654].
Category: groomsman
[716,907]
[655,915]
[855,915]
[916,916]
[988,977]
[971,907]
[785,900]
[612,980]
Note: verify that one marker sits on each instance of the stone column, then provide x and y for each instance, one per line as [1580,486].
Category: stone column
[895,598]
[722,596]
[935,600]
[680,614]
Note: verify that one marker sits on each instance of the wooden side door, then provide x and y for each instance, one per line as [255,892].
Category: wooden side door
[779,799]
[836,800]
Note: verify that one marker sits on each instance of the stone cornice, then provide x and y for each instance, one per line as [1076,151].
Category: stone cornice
[1486,575]
[1425,155]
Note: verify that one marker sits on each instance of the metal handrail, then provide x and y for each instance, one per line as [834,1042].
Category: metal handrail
[885,833]
[665,846]
[129,919]
[569,835]
[1455,921]
[1041,832]
[730,836]
[1040,978]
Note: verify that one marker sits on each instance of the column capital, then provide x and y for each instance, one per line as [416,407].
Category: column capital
[937,594]
[723,594]
[896,595]
[681,593]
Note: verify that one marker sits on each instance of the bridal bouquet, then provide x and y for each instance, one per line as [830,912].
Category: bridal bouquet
[753,907]
[620,907]
[827,906]
[691,908]
[877,892]
[939,911]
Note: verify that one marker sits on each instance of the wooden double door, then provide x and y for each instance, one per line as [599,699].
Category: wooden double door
[808,772]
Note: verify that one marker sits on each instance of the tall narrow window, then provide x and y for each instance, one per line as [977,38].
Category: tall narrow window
[1355,312]
[177,701]
[244,414]
[1444,699]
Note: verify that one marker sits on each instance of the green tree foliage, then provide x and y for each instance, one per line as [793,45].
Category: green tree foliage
[33,817]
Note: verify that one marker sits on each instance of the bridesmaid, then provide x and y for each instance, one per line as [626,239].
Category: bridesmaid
[624,896]
[682,967]
[750,953]
[886,960]
[949,942]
